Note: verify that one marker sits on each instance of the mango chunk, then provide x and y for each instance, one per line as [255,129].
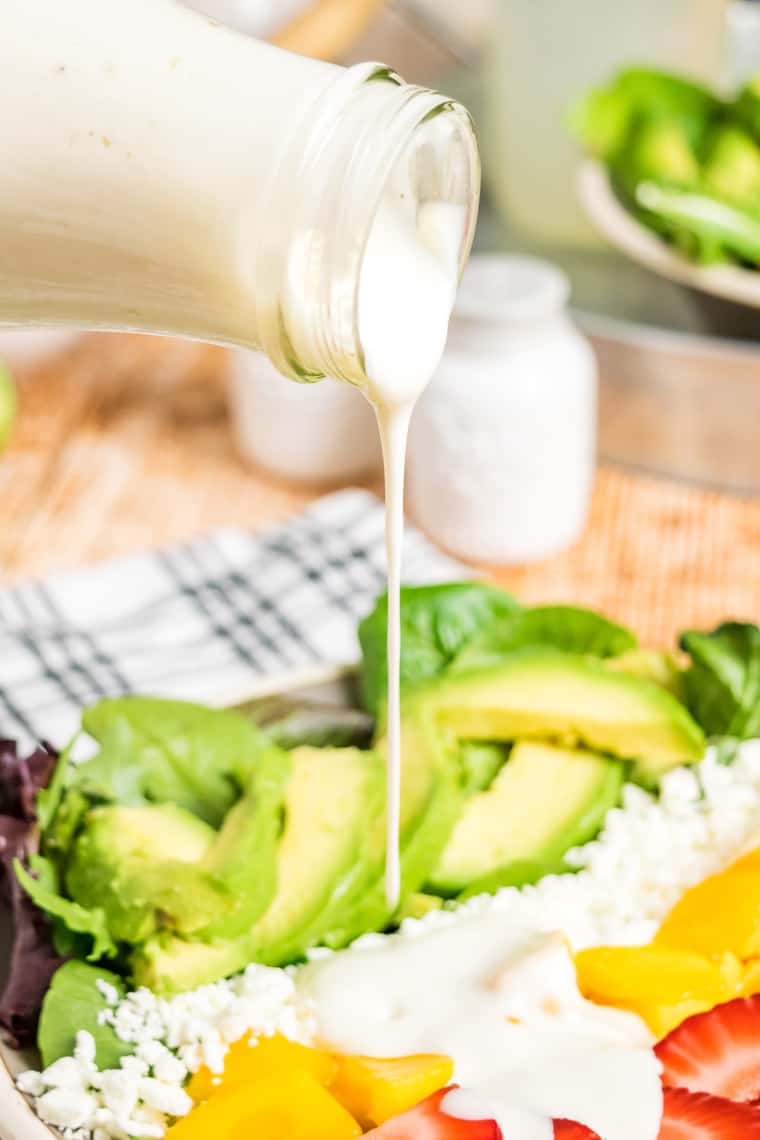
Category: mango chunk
[262,1058]
[374,1090]
[663,986]
[721,913]
[297,1107]
[751,978]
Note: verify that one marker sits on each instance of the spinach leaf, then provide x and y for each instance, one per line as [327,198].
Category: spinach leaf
[568,628]
[722,685]
[74,1002]
[163,751]
[44,893]
[436,623]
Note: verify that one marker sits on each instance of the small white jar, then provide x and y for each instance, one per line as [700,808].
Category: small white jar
[503,443]
[323,433]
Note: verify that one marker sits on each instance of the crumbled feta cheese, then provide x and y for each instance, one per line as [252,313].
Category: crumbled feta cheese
[108,992]
[118,1092]
[650,852]
[65,1073]
[31,1083]
[66,1107]
[169,1099]
[84,1050]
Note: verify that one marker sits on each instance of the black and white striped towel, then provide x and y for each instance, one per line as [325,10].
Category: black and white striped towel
[202,621]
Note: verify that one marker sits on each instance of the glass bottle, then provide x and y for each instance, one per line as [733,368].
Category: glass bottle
[162,173]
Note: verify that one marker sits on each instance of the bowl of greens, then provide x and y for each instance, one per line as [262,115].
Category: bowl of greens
[672,178]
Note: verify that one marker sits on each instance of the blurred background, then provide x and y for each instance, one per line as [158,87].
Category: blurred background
[678,362]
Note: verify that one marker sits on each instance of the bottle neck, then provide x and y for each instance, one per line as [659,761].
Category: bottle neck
[350,207]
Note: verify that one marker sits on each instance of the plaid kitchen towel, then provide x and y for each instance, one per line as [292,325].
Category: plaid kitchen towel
[200,621]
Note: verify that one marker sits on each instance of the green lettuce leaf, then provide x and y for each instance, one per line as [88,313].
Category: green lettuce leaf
[436,624]
[569,628]
[161,751]
[49,799]
[722,684]
[77,920]
[74,1002]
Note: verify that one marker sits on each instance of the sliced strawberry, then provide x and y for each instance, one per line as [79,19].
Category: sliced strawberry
[428,1121]
[698,1116]
[716,1052]
[569,1130]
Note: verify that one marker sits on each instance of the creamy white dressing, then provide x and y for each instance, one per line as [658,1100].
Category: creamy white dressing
[503,1002]
[406,294]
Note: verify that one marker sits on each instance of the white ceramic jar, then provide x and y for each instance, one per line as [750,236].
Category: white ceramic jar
[304,433]
[503,443]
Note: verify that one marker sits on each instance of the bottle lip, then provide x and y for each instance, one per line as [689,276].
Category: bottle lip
[324,201]
[510,288]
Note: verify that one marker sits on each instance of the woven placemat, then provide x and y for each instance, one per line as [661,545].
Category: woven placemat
[125,443]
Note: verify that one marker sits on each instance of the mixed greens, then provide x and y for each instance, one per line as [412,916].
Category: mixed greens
[193,841]
[685,161]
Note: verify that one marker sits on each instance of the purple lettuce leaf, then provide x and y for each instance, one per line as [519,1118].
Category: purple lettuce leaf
[30,960]
[21,777]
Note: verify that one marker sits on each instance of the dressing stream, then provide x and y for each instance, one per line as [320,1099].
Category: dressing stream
[406,294]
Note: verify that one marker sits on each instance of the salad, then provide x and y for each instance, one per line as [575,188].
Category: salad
[684,161]
[203,945]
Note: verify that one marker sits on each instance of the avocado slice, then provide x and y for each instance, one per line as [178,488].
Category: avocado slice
[519,874]
[242,861]
[661,667]
[420,904]
[331,796]
[543,802]
[431,800]
[329,805]
[571,700]
[160,866]
[137,862]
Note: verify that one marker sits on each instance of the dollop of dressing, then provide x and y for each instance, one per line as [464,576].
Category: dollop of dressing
[407,290]
[503,1002]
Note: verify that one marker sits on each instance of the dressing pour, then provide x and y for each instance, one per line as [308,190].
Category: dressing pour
[406,294]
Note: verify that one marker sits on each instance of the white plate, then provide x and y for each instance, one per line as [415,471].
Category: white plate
[321,683]
[623,231]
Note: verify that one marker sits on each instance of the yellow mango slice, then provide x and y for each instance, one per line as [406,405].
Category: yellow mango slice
[262,1058]
[751,978]
[374,1090]
[720,914]
[662,985]
[296,1107]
